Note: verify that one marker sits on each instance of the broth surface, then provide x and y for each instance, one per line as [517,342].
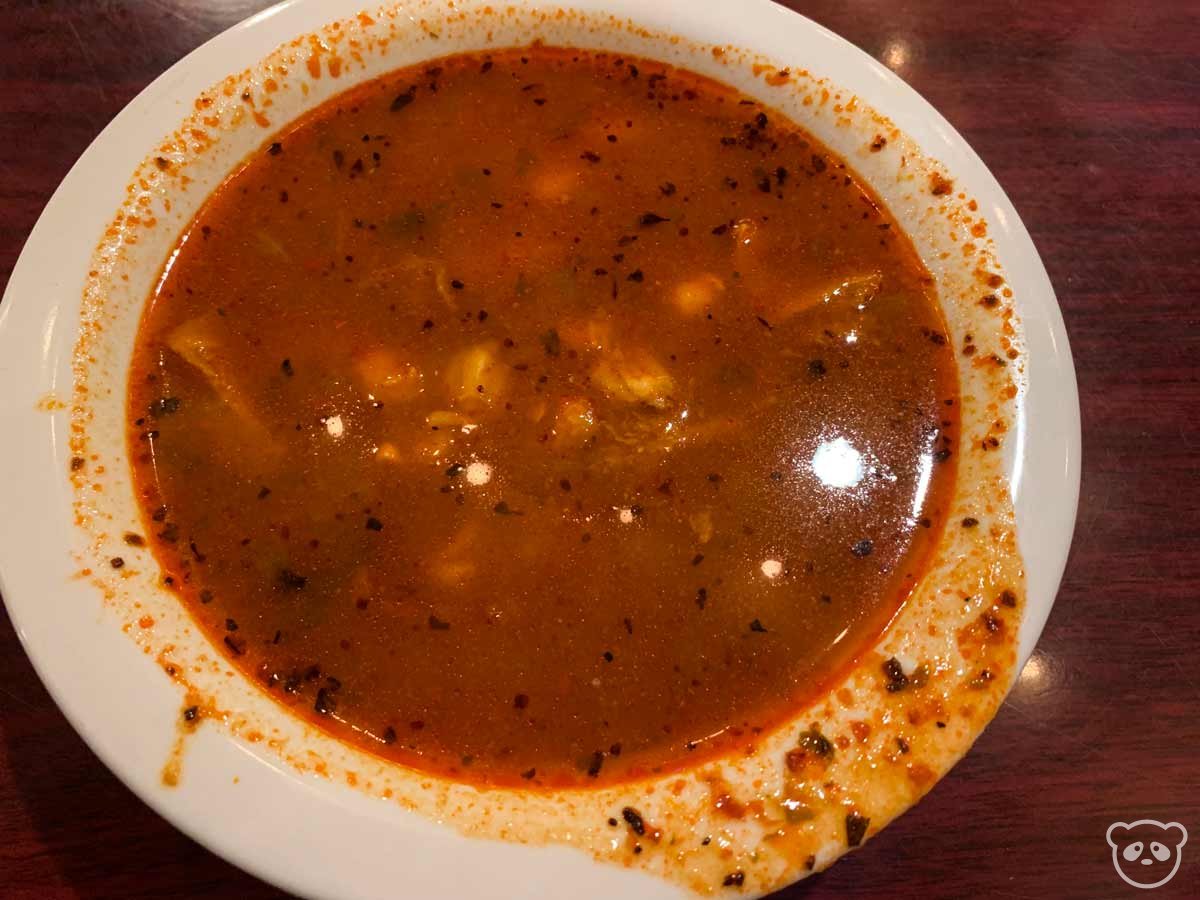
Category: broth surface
[543,417]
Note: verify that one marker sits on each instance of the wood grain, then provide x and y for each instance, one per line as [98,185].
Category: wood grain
[1089,115]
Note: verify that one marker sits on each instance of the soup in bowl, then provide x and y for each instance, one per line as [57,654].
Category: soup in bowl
[564,430]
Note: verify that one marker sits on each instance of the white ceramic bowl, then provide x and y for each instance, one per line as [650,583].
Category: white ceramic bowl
[313,836]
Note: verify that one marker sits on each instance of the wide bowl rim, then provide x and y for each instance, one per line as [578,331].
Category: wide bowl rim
[1051,556]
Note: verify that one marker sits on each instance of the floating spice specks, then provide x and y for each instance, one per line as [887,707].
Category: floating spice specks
[595,764]
[863,548]
[856,828]
[403,100]
[894,672]
[292,581]
[758,626]
[636,824]
[325,703]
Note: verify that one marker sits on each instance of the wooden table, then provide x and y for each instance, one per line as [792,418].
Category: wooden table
[1088,112]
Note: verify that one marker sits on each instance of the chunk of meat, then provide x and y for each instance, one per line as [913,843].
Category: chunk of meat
[475,377]
[696,295]
[635,377]
[200,342]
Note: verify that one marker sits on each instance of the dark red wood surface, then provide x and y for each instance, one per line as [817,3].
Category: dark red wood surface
[1089,115]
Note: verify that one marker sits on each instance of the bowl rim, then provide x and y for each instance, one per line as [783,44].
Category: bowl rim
[1045,478]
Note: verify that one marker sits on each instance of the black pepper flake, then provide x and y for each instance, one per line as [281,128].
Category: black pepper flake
[608,657]
[590,155]
[457,285]
[814,742]
[667,189]
[427,324]
[551,342]
[438,625]
[651,218]
[628,625]
[528,774]
[612,823]
[856,828]
[636,276]
[116,562]
[231,625]
[264,492]
[758,626]
[236,644]
[863,548]
[942,455]
[286,368]
[595,764]
[503,509]
[206,596]
[565,485]
[819,165]
[970,522]
[734,879]
[191,714]
[720,229]
[373,524]
[389,735]
[902,744]
[636,824]
[816,368]
[291,581]
[275,149]
[764,323]
[521,701]
[402,100]
[455,469]
[325,702]
[896,679]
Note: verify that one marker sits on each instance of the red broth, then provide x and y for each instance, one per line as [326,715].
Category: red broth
[543,418]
